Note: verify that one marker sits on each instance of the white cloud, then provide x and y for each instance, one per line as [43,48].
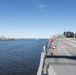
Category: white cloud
[42,6]
[39,4]
[36,1]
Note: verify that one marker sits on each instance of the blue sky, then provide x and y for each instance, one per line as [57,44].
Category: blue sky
[36,18]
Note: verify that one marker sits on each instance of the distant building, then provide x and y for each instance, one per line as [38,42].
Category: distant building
[2,37]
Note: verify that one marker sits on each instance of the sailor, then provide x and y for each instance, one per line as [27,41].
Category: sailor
[51,40]
[52,45]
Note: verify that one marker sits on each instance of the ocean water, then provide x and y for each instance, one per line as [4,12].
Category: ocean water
[20,57]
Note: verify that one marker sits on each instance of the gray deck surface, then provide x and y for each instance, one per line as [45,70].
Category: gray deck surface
[64,60]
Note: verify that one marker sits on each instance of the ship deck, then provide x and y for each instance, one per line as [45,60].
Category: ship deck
[64,60]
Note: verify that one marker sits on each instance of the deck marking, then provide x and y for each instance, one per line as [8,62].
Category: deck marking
[59,49]
[71,44]
[67,47]
[65,51]
[70,40]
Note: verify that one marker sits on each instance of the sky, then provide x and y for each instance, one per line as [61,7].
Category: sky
[36,18]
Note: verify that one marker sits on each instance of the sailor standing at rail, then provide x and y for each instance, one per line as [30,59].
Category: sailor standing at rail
[52,45]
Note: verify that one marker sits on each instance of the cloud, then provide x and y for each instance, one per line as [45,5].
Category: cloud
[36,1]
[42,6]
[39,4]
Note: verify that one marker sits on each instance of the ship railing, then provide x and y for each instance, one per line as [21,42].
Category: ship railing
[40,69]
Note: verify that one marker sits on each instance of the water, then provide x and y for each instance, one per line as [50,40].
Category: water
[20,57]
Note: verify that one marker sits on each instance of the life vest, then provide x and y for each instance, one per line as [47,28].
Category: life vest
[51,40]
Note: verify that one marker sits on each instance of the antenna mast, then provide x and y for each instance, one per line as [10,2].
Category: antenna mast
[64,26]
